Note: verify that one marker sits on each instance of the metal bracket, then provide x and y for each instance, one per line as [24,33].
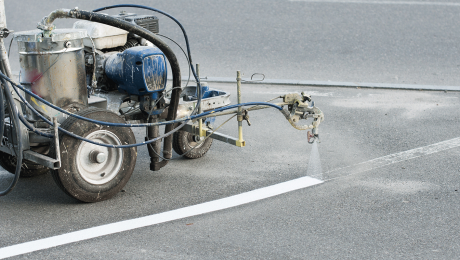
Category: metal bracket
[193,129]
[56,143]
[36,158]
[42,159]
[240,143]
[4,32]
[246,116]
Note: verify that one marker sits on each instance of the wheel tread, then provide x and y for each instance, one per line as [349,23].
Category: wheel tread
[72,183]
[182,147]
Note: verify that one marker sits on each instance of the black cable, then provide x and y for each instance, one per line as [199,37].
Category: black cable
[2,115]
[196,146]
[21,118]
[204,114]
[185,54]
[9,47]
[32,128]
[84,139]
[173,62]
[15,120]
[165,14]
[183,121]
[168,141]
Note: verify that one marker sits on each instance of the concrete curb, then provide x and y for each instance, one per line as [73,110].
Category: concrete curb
[339,84]
[311,83]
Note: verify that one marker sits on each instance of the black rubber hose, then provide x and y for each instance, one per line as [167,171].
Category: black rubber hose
[167,151]
[32,128]
[149,36]
[2,114]
[14,117]
[154,149]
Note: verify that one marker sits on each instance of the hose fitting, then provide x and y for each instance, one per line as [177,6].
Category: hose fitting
[46,24]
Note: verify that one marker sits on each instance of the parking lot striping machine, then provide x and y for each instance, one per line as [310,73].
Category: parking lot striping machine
[56,119]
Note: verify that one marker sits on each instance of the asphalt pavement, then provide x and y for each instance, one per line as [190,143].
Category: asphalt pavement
[389,157]
[401,209]
[297,40]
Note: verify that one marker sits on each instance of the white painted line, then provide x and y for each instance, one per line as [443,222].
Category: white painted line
[224,203]
[394,158]
[380,2]
[190,211]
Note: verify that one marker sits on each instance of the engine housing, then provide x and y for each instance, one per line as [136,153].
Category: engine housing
[138,71]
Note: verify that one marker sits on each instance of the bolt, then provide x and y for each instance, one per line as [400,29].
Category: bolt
[97,157]
[101,157]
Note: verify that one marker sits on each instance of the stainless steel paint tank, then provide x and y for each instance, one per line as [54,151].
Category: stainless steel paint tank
[53,67]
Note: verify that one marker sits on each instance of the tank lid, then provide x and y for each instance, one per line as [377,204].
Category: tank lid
[98,30]
[57,35]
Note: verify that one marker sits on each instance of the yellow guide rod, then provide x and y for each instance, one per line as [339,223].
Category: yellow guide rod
[200,109]
[240,142]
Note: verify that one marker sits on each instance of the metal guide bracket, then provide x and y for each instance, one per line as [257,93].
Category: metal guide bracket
[194,129]
[36,158]
[42,159]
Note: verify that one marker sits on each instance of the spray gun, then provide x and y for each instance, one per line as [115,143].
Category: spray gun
[301,106]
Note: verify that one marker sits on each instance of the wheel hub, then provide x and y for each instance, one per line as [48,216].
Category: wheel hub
[97,156]
[196,138]
[96,164]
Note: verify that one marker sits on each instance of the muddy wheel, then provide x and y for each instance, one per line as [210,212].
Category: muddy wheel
[28,168]
[183,142]
[89,172]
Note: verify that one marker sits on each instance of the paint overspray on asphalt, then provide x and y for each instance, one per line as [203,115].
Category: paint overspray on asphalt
[314,163]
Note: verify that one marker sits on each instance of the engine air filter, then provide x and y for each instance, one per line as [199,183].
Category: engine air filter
[148,22]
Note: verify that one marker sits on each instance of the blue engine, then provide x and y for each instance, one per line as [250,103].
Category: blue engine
[138,71]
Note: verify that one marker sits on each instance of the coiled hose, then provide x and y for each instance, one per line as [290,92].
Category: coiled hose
[2,113]
[14,117]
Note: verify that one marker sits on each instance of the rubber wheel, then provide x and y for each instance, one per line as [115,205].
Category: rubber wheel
[184,141]
[89,172]
[28,168]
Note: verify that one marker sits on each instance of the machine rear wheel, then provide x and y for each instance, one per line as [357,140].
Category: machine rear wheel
[28,168]
[89,172]
[184,141]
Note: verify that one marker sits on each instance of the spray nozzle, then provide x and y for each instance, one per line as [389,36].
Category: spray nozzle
[312,136]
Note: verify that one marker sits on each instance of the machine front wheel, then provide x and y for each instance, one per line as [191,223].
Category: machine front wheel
[89,172]
[184,142]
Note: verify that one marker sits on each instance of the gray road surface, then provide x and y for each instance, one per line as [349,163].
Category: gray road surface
[323,40]
[404,210]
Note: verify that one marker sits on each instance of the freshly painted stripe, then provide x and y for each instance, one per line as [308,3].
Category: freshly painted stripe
[380,2]
[392,159]
[190,211]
